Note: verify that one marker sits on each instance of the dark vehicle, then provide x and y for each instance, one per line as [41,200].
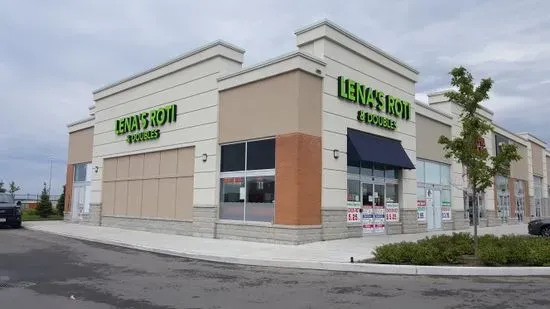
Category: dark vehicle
[10,211]
[539,227]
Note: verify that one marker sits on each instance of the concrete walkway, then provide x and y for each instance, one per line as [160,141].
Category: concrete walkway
[335,251]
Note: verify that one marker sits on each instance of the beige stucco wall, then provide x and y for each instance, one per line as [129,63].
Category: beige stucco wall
[537,152]
[190,83]
[520,169]
[285,103]
[547,169]
[345,56]
[428,132]
[155,185]
[80,146]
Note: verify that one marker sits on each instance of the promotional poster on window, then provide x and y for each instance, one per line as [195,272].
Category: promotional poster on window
[421,210]
[392,212]
[446,213]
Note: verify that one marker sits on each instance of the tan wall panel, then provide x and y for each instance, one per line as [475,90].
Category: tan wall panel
[108,194]
[538,152]
[135,188]
[186,161]
[310,93]
[520,169]
[109,169]
[145,185]
[136,166]
[150,195]
[151,165]
[168,163]
[548,168]
[121,197]
[123,168]
[81,146]
[167,198]
[286,103]
[184,198]
[428,132]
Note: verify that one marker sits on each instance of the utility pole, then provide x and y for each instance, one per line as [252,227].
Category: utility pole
[50,182]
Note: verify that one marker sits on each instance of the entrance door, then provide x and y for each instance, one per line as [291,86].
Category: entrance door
[78,200]
[433,209]
[373,216]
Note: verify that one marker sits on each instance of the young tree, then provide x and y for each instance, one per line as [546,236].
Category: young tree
[45,205]
[13,188]
[2,189]
[469,147]
[61,202]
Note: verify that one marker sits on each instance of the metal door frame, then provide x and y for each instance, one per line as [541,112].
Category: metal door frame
[372,182]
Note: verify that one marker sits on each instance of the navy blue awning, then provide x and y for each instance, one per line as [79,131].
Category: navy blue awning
[377,149]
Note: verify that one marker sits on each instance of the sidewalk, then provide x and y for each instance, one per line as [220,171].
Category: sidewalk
[242,252]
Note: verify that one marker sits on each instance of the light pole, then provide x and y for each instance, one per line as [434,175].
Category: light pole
[50,182]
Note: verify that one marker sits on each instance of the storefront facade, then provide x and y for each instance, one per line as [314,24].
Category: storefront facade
[326,142]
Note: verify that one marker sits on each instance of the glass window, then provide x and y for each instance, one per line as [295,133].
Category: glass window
[80,172]
[378,170]
[233,157]
[420,194]
[445,175]
[354,166]
[433,173]
[420,174]
[248,195]
[232,198]
[392,193]
[446,197]
[260,155]
[260,198]
[499,139]
[502,183]
[366,168]
[392,173]
[354,190]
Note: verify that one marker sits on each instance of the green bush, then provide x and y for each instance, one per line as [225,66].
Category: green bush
[30,212]
[511,250]
[493,255]
[397,253]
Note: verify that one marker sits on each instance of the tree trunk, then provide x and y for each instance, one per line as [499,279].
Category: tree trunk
[476,220]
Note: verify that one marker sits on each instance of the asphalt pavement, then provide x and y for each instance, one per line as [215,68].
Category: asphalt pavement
[46,271]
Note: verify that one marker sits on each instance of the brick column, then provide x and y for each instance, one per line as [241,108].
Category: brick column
[298,179]
[68,191]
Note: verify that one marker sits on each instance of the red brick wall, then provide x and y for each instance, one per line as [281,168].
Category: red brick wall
[69,186]
[298,179]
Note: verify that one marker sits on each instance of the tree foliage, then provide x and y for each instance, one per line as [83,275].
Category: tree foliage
[45,205]
[13,188]
[468,148]
[61,202]
[2,189]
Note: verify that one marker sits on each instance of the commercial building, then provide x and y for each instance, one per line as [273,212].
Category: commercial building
[325,142]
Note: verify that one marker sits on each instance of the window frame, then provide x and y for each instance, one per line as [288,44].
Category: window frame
[248,173]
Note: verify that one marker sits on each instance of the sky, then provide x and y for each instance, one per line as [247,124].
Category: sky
[53,54]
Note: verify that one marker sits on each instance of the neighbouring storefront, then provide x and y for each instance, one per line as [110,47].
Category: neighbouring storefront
[325,142]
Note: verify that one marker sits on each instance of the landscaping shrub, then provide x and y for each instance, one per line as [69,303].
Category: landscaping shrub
[30,212]
[493,255]
[397,253]
[510,250]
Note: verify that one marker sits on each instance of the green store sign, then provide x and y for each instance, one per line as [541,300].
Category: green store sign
[355,92]
[145,126]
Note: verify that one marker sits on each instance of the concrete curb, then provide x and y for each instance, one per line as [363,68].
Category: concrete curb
[446,271]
